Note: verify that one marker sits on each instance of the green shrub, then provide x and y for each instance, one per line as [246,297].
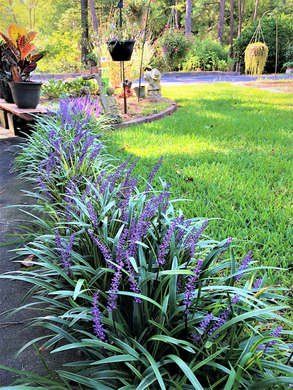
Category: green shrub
[174,46]
[206,55]
[74,88]
[143,297]
[285,37]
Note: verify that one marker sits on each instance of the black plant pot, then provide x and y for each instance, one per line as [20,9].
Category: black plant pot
[26,94]
[6,92]
[121,50]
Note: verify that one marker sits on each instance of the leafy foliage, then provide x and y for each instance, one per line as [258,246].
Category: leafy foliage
[146,297]
[206,55]
[19,56]
[268,24]
[256,55]
[174,46]
[72,88]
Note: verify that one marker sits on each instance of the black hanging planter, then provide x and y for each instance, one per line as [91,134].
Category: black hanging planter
[5,91]
[26,94]
[121,50]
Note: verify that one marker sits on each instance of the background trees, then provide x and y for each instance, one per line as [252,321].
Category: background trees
[66,26]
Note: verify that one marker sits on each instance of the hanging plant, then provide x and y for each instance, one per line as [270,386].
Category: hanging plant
[256,55]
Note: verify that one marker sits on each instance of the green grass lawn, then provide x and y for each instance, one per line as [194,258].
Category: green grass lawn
[228,150]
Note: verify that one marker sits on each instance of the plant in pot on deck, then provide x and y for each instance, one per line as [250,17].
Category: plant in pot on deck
[5,73]
[21,58]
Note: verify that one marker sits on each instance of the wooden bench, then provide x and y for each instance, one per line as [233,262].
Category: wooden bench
[10,113]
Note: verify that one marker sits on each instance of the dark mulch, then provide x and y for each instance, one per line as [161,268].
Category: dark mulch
[13,331]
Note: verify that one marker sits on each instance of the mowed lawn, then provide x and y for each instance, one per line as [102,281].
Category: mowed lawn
[228,149]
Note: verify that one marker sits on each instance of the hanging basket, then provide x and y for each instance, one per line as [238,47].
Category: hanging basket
[256,55]
[121,50]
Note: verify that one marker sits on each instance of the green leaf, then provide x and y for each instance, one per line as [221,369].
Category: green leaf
[187,371]
[115,359]
[171,340]
[231,380]
[83,380]
[143,297]
[77,288]
[154,365]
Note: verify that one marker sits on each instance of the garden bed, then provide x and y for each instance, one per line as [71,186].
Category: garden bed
[146,110]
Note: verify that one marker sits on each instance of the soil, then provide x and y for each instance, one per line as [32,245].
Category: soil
[144,107]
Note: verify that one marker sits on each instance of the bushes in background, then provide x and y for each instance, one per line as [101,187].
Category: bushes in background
[285,38]
[207,55]
[73,88]
[176,52]
[174,46]
[141,296]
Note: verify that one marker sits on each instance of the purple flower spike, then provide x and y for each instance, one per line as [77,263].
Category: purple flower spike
[112,301]
[190,286]
[228,242]
[223,318]
[163,250]
[116,280]
[274,333]
[206,321]
[153,173]
[194,237]
[103,248]
[97,323]
[257,284]
[65,252]
[203,326]
[92,214]
[245,262]
[235,299]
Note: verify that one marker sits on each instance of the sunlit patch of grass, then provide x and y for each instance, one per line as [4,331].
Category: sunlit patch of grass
[229,150]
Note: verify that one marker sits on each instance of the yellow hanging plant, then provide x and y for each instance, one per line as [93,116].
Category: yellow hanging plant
[256,55]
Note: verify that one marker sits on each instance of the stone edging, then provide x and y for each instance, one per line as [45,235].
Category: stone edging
[150,118]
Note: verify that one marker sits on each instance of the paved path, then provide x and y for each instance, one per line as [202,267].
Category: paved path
[13,334]
[185,77]
[214,77]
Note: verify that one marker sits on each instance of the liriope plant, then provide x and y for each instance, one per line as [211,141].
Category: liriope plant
[140,295]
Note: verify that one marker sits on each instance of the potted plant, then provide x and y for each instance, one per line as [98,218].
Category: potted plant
[121,44]
[289,67]
[22,59]
[5,73]
[255,57]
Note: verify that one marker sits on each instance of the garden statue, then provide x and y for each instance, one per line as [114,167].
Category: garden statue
[153,78]
[107,98]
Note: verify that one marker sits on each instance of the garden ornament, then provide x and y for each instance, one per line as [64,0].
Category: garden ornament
[127,85]
[153,78]
[107,98]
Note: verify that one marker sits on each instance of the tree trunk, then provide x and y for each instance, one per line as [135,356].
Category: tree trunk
[240,16]
[231,35]
[188,17]
[221,21]
[255,10]
[84,30]
[95,21]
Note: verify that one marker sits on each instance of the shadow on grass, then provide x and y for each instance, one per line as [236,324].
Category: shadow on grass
[231,157]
